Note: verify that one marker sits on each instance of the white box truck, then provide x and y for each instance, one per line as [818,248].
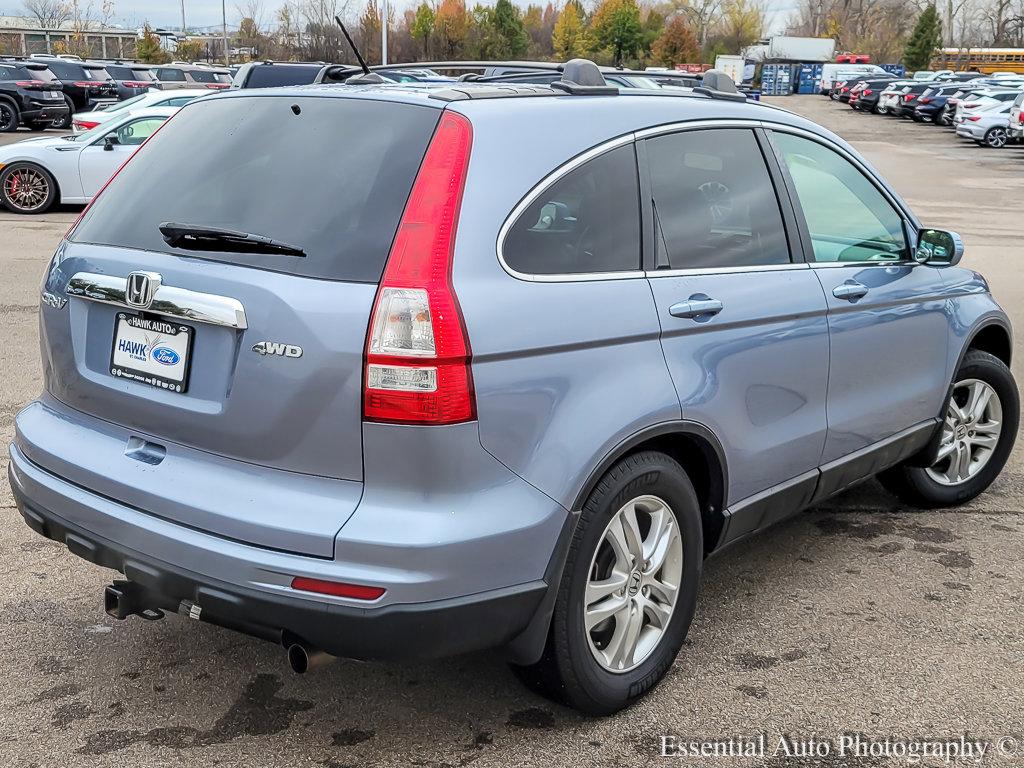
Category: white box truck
[732,66]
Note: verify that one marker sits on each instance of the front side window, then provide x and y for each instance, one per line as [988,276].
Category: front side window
[586,222]
[848,218]
[714,202]
[134,133]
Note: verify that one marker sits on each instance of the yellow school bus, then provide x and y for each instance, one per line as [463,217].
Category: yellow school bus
[985,60]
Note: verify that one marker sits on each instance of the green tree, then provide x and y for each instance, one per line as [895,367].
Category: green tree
[570,38]
[451,25]
[148,48]
[511,40]
[423,27]
[653,26]
[676,45]
[926,37]
[616,27]
[189,50]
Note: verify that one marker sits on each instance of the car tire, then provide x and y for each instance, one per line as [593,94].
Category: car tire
[596,668]
[15,176]
[9,117]
[63,123]
[880,110]
[932,486]
[995,138]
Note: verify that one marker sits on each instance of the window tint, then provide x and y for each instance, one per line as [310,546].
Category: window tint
[318,180]
[206,76]
[715,204]
[5,74]
[178,101]
[848,218]
[171,75]
[588,221]
[65,71]
[270,75]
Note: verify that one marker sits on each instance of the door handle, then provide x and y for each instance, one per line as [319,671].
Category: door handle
[851,290]
[697,306]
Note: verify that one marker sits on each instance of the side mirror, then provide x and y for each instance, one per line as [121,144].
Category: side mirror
[109,142]
[938,248]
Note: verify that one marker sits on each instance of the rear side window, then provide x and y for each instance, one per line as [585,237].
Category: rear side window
[331,180]
[588,221]
[171,75]
[714,201]
[272,75]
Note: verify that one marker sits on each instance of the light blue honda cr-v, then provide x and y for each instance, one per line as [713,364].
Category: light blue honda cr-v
[388,371]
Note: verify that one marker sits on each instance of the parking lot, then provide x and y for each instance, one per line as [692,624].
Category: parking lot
[857,616]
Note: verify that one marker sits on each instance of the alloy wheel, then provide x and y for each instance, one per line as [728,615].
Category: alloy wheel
[7,117]
[996,138]
[633,583]
[26,189]
[970,432]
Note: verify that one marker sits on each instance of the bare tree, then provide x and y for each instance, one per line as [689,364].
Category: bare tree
[49,13]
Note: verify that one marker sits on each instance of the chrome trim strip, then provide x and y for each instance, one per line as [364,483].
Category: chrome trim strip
[695,271]
[173,302]
[536,192]
[695,125]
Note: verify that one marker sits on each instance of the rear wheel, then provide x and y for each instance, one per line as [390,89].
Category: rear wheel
[996,137]
[27,188]
[8,117]
[978,432]
[628,591]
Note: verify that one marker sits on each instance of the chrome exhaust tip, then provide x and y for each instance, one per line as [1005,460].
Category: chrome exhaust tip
[302,658]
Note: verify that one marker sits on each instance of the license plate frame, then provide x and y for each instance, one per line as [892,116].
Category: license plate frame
[172,341]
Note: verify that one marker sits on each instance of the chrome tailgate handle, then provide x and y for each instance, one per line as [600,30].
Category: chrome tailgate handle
[167,300]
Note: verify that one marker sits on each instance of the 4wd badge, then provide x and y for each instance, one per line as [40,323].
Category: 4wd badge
[276,348]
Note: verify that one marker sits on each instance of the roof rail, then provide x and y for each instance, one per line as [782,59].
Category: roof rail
[719,85]
[581,77]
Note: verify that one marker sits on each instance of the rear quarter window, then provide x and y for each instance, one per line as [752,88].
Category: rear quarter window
[332,180]
[585,222]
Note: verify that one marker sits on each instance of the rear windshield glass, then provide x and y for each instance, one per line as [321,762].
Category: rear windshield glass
[205,76]
[97,73]
[270,75]
[67,71]
[34,73]
[127,73]
[331,180]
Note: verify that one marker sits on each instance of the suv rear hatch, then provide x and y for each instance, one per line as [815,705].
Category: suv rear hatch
[269,370]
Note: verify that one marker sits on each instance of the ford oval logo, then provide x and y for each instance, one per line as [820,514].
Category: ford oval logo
[166,356]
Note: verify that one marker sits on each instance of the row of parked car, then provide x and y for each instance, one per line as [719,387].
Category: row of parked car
[45,91]
[982,108]
[38,173]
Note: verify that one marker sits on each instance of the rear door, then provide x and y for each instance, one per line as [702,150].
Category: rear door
[272,370]
[887,324]
[743,322]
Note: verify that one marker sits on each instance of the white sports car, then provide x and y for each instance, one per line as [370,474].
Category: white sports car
[37,173]
[86,121]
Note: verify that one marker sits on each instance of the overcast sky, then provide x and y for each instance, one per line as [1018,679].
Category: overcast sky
[202,13]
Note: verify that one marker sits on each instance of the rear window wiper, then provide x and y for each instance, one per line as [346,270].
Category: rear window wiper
[197,237]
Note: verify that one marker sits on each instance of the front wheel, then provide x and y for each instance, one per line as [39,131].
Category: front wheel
[996,138]
[978,432]
[8,117]
[629,588]
[27,188]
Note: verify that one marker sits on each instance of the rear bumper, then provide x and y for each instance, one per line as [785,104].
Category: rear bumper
[970,131]
[44,114]
[273,612]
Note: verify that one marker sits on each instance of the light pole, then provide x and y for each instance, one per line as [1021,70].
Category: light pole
[384,32]
[224,32]
[182,18]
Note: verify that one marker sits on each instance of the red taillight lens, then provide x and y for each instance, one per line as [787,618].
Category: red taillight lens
[85,125]
[417,350]
[337,588]
[910,97]
[36,85]
[974,119]
[926,100]
[218,85]
[866,92]
[135,84]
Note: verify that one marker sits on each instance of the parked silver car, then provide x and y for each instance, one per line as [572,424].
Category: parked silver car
[988,125]
[410,370]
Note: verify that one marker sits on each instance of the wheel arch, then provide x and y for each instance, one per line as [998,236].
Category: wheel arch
[993,337]
[697,450]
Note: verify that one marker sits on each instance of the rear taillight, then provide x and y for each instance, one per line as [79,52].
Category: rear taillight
[88,84]
[85,125]
[134,84]
[926,100]
[35,85]
[217,85]
[910,97]
[417,350]
[974,119]
[866,92]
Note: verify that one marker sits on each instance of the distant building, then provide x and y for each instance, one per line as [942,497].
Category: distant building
[22,36]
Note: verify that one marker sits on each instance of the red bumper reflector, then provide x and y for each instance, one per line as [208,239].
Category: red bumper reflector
[337,588]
